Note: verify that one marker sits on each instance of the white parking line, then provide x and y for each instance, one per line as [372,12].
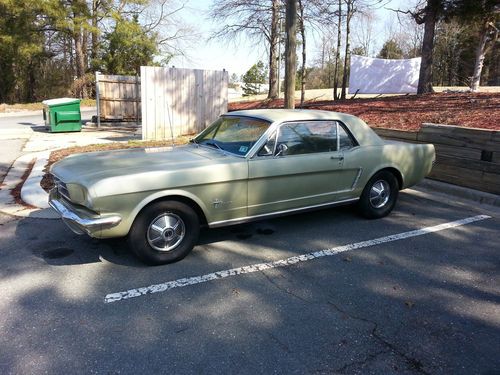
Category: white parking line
[163,287]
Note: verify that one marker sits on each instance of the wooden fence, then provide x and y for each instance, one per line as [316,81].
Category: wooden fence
[181,101]
[464,156]
[118,98]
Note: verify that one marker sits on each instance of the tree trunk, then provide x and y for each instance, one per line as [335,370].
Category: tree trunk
[95,32]
[425,78]
[31,83]
[480,53]
[347,46]
[303,67]
[290,53]
[273,52]
[79,57]
[85,43]
[323,45]
[337,53]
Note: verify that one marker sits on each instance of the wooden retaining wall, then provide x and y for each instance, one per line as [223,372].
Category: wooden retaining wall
[464,156]
[180,101]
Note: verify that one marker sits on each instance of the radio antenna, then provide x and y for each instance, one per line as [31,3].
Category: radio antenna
[170,122]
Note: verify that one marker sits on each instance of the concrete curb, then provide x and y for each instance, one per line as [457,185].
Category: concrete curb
[460,192]
[13,178]
[31,192]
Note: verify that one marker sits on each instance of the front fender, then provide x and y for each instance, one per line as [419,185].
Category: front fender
[165,194]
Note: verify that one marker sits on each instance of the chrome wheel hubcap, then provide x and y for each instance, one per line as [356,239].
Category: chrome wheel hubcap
[380,194]
[166,232]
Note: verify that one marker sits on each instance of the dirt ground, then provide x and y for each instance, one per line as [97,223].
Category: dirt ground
[408,112]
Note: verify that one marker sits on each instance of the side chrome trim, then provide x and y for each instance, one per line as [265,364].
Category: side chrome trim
[246,219]
[356,180]
[302,198]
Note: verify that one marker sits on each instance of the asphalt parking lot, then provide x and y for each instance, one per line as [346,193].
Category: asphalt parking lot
[415,292]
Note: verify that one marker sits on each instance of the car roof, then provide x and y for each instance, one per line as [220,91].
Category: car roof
[279,115]
[362,132]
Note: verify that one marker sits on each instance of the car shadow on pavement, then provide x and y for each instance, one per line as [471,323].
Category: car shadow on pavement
[57,245]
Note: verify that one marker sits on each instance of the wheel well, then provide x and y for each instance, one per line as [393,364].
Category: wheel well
[185,200]
[396,174]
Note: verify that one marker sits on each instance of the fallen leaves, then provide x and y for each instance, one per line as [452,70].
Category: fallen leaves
[408,112]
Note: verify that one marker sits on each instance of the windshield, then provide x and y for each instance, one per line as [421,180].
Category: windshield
[236,135]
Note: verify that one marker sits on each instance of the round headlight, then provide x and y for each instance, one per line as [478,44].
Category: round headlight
[78,194]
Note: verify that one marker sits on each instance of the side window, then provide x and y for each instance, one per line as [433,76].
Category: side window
[308,137]
[346,141]
[268,148]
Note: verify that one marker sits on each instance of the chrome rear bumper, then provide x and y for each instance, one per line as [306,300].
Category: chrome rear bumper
[81,221]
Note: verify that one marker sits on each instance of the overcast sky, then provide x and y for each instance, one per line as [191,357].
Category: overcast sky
[240,56]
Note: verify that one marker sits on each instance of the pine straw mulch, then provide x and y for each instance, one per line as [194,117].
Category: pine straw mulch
[408,112]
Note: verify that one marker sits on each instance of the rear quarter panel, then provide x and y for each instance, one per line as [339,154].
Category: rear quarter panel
[413,161]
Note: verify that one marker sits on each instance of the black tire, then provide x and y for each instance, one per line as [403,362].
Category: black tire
[164,232]
[379,195]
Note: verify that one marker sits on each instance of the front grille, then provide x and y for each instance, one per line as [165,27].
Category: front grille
[61,188]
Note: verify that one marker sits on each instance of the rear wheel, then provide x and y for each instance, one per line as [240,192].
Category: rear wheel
[379,195]
[164,232]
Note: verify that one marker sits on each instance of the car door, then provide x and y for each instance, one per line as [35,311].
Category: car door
[300,166]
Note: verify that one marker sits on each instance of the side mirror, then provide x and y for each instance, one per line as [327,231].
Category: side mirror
[282,149]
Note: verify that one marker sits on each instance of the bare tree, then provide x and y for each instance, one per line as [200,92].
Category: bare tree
[363,31]
[290,53]
[429,17]
[303,66]
[274,57]
[257,20]
[337,53]
[448,49]
[427,12]
[488,37]
[349,15]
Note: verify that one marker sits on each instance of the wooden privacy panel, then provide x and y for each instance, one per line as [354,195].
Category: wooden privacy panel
[464,156]
[180,101]
[119,97]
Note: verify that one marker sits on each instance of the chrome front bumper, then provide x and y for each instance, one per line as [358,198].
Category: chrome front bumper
[79,220]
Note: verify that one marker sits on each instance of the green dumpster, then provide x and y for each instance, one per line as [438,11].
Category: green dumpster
[62,115]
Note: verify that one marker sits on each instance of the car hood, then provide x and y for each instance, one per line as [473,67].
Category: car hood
[88,169]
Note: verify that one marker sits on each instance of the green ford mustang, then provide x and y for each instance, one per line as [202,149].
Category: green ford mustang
[247,165]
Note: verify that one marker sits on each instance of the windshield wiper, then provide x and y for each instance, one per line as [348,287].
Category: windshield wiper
[214,144]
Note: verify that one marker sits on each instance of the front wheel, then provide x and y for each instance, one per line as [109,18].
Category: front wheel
[164,232]
[379,195]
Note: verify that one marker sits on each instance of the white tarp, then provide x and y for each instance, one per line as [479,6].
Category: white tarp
[382,76]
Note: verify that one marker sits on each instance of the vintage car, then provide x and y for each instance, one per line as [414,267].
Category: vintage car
[247,165]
